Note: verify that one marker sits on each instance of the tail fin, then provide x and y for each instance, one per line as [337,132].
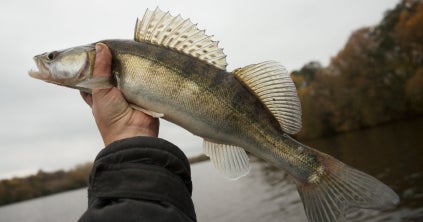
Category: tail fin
[341,188]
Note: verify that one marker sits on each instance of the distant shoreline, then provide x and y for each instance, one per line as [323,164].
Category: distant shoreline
[46,183]
[197,159]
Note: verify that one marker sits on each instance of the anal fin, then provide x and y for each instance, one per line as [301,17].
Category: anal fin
[231,161]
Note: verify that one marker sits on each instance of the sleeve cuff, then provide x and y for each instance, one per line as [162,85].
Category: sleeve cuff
[143,168]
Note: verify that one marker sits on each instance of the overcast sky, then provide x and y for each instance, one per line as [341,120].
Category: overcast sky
[43,126]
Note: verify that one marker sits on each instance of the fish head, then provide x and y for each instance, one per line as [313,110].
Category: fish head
[67,67]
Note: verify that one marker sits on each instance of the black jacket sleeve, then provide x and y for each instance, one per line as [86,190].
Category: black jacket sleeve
[140,179]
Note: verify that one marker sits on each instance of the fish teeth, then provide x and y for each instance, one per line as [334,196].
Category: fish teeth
[41,73]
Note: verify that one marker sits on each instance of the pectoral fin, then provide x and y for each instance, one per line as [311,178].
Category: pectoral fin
[96,83]
[231,161]
[148,112]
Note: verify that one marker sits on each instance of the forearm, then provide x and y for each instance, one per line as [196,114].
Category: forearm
[140,177]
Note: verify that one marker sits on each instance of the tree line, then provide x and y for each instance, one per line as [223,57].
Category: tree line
[43,183]
[376,78]
[46,183]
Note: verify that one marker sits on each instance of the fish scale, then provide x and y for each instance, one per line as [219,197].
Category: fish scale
[215,87]
[252,108]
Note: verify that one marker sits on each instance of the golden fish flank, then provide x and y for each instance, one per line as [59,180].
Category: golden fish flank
[173,70]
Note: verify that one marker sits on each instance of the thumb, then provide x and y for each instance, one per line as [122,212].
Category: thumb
[103,61]
[102,66]
[101,97]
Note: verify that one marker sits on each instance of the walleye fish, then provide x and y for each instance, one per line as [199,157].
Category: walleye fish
[175,71]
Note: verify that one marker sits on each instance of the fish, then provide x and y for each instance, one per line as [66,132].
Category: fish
[173,70]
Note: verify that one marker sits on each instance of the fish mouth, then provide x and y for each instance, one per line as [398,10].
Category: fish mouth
[42,73]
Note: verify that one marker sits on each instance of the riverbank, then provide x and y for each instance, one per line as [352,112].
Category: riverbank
[47,183]
[392,152]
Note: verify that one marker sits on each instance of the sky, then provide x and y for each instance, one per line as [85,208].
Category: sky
[44,126]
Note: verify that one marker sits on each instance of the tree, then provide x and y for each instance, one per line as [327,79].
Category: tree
[375,78]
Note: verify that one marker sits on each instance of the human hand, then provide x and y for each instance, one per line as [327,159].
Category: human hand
[114,117]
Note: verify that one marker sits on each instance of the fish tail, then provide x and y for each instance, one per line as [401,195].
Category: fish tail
[326,198]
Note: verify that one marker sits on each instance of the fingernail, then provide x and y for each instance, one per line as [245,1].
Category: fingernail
[99,47]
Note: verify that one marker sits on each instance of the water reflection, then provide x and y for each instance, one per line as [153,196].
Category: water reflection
[264,195]
[392,153]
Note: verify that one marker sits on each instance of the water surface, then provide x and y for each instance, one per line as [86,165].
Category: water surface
[393,153]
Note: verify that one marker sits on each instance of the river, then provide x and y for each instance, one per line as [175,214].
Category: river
[393,153]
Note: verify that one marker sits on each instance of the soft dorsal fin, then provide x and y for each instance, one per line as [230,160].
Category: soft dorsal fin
[273,85]
[161,28]
[231,161]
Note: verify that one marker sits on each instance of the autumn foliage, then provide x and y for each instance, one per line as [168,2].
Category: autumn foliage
[43,183]
[376,78]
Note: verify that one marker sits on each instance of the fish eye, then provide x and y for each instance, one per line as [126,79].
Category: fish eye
[52,55]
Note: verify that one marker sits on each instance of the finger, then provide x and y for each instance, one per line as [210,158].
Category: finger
[87,98]
[103,60]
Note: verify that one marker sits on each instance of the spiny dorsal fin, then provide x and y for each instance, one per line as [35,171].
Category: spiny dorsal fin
[231,161]
[273,85]
[161,28]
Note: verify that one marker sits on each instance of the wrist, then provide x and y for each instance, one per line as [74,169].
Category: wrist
[110,137]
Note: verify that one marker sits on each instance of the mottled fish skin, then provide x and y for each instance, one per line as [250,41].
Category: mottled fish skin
[165,74]
[207,101]
[189,92]
[215,105]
